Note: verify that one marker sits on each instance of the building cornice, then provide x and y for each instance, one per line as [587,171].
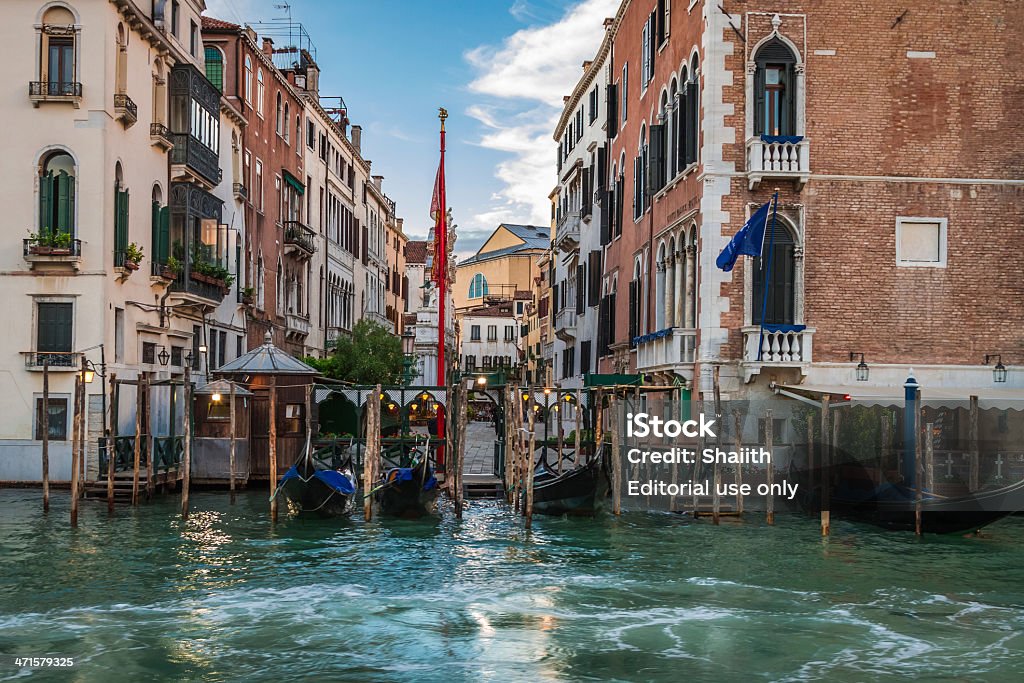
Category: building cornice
[583,85]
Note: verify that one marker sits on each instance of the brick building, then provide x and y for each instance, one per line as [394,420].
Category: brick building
[894,146]
[272,184]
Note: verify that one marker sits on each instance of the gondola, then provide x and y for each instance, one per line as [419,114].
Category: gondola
[314,488]
[581,491]
[408,492]
[893,506]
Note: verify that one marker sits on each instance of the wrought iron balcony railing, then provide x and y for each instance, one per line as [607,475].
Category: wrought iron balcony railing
[125,108]
[57,90]
[56,360]
[197,158]
[298,235]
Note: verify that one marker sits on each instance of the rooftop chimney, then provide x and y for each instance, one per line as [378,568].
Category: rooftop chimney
[378,180]
[268,47]
[357,138]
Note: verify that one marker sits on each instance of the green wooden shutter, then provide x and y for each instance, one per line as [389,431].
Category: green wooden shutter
[65,194]
[120,226]
[54,327]
[165,233]
[45,203]
[155,233]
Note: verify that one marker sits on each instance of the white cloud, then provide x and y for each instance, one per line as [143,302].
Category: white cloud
[527,76]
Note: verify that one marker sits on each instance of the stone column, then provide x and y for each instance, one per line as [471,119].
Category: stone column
[691,286]
[666,300]
[661,285]
[677,297]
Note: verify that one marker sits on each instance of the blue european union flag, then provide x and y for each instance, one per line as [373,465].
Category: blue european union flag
[748,241]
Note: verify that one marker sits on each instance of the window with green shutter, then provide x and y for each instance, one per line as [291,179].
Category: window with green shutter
[57,196]
[54,322]
[120,225]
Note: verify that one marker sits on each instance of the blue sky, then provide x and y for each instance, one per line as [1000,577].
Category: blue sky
[499,67]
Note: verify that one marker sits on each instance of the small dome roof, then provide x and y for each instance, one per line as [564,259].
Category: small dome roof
[266,360]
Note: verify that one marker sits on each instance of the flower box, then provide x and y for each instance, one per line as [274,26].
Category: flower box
[131,265]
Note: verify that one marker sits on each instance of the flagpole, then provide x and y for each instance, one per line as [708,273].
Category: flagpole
[441,269]
[768,273]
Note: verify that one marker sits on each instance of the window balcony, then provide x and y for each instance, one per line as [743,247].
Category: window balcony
[240,191]
[778,157]
[666,349]
[299,239]
[125,110]
[192,161]
[62,361]
[779,346]
[567,233]
[55,91]
[52,252]
[297,325]
[565,324]
[160,136]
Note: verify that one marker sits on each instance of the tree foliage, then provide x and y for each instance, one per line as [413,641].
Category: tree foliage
[370,355]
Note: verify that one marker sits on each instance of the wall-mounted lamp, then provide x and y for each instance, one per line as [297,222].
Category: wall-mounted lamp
[163,356]
[999,371]
[216,397]
[481,380]
[862,367]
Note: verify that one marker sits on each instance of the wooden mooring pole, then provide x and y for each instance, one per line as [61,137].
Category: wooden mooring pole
[530,468]
[716,499]
[460,449]
[929,458]
[231,449]
[918,470]
[150,441]
[186,458]
[76,426]
[372,453]
[616,460]
[973,437]
[272,409]
[111,440]
[579,425]
[44,427]
[738,426]
[137,445]
[826,468]
[769,439]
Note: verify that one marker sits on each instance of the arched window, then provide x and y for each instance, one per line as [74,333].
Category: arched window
[58,67]
[215,68]
[56,197]
[478,286]
[780,278]
[775,89]
[280,114]
[285,129]
[248,79]
[634,302]
[259,92]
[662,288]
[640,175]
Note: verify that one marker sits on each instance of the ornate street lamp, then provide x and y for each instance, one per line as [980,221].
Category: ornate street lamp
[163,356]
[999,371]
[862,367]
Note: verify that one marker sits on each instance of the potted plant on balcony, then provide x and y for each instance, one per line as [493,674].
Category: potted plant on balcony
[133,256]
[248,296]
[172,269]
[212,274]
[50,243]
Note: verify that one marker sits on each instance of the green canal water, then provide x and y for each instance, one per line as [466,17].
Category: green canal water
[228,597]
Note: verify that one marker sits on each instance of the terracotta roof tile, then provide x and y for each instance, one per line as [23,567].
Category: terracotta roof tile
[416,252]
[212,23]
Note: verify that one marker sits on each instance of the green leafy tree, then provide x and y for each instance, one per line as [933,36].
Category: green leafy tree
[370,355]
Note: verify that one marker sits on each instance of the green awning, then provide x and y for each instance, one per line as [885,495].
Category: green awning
[294,182]
[614,380]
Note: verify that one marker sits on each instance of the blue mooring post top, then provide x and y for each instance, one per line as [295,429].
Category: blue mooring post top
[911,383]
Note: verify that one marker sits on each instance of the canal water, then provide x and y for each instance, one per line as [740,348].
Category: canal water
[228,597]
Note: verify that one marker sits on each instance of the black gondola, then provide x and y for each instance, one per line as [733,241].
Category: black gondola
[581,491]
[312,487]
[893,506]
[408,492]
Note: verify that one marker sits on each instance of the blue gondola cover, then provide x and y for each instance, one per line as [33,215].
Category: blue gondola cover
[336,480]
[397,474]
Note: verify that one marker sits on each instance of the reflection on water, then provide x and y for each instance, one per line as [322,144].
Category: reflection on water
[227,597]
